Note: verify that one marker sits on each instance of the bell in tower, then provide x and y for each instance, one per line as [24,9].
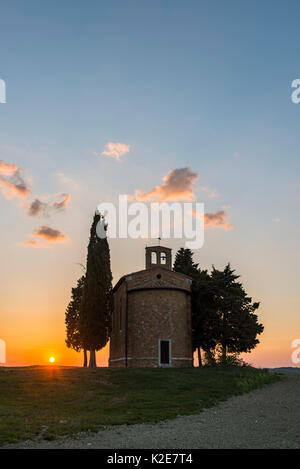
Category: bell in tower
[158,256]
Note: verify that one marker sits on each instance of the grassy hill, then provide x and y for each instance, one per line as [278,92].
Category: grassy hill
[47,402]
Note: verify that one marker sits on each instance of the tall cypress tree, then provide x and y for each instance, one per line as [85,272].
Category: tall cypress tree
[74,339]
[96,304]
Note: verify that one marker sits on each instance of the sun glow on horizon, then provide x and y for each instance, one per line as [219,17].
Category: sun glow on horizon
[51,359]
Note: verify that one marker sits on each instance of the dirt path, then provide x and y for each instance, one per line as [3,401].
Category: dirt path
[265,418]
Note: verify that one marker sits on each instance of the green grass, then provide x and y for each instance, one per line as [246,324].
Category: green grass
[48,402]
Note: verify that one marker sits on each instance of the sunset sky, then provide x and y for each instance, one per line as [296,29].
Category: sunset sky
[162,100]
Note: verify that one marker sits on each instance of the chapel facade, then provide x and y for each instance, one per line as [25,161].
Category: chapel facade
[151,321]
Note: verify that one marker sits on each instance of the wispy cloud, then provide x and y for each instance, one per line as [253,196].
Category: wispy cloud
[213,220]
[211,193]
[115,150]
[217,219]
[39,207]
[68,181]
[50,235]
[36,208]
[62,205]
[13,181]
[46,234]
[178,184]
[35,244]
[7,168]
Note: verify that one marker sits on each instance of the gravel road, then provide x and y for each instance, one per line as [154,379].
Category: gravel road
[264,418]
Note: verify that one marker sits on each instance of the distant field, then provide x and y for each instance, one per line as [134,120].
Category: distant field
[47,402]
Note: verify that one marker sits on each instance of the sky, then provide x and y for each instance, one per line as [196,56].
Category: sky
[157,100]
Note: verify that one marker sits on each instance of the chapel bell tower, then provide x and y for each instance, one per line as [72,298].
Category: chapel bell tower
[158,256]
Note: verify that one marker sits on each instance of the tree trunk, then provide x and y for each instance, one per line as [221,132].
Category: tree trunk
[85,358]
[92,359]
[224,354]
[199,357]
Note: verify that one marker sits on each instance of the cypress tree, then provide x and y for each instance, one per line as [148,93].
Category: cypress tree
[74,339]
[96,304]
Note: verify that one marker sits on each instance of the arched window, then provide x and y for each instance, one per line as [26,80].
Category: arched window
[153,258]
[163,258]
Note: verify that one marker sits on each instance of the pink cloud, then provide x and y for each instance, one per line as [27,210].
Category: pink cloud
[211,193]
[49,234]
[35,244]
[116,150]
[13,182]
[7,168]
[45,237]
[217,220]
[38,207]
[62,205]
[178,184]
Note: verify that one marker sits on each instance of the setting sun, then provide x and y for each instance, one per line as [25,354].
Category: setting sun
[51,359]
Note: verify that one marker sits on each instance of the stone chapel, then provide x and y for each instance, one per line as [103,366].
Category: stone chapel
[151,321]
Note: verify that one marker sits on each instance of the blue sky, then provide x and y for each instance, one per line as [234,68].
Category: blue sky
[205,84]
